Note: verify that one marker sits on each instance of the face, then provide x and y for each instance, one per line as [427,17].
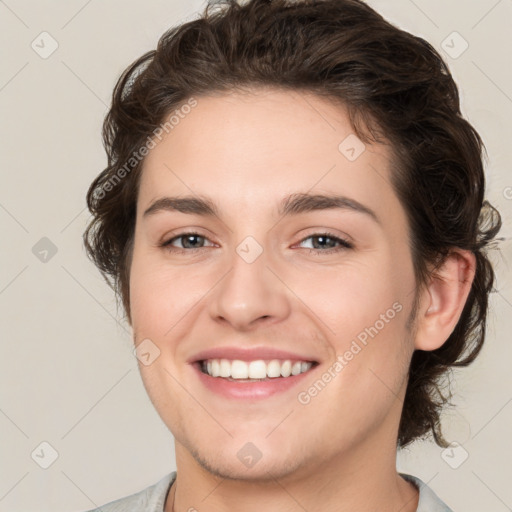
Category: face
[271,275]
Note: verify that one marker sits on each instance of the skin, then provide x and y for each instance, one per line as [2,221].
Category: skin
[247,151]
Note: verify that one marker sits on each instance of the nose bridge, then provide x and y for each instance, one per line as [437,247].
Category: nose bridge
[249,291]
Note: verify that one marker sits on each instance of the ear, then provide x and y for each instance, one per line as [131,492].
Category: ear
[443,300]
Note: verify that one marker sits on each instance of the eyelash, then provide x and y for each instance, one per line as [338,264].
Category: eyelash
[344,244]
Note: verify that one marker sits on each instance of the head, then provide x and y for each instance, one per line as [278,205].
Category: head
[251,106]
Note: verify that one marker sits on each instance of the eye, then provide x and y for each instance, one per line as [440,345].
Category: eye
[189,241]
[328,241]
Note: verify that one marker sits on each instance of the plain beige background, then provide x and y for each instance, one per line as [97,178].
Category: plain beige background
[69,378]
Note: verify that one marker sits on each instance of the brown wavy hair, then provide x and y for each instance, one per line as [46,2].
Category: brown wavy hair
[397,89]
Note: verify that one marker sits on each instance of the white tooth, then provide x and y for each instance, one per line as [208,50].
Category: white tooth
[224,368]
[286,368]
[239,369]
[257,369]
[274,368]
[215,368]
[296,368]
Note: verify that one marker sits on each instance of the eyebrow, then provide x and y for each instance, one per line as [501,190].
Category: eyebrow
[293,204]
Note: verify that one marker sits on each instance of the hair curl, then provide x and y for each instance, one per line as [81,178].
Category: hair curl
[397,89]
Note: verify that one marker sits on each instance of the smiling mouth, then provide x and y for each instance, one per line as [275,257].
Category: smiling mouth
[254,371]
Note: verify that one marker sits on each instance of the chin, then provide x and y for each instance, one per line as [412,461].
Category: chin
[246,461]
[262,471]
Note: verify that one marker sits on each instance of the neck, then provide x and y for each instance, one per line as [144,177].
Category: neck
[364,479]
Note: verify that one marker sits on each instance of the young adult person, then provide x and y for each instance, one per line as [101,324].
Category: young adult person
[293,217]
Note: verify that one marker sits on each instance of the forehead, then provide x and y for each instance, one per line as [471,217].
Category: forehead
[249,149]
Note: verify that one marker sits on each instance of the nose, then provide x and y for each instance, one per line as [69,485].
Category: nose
[250,294]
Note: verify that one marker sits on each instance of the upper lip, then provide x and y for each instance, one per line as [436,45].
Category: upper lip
[248,354]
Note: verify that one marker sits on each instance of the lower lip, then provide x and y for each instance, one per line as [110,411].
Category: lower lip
[249,390]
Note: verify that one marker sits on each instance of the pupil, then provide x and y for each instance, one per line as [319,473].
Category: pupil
[322,238]
[189,238]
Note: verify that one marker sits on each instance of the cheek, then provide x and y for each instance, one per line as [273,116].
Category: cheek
[365,317]
[151,293]
[162,295]
[351,297]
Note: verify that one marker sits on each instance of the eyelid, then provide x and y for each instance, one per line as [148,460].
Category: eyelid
[318,231]
[190,230]
[166,241]
[346,243]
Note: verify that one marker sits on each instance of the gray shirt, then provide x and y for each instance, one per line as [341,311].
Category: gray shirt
[152,499]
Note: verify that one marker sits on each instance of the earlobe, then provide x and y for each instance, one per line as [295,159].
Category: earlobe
[443,300]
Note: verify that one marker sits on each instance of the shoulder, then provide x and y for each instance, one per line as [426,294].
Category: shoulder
[150,499]
[429,501]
